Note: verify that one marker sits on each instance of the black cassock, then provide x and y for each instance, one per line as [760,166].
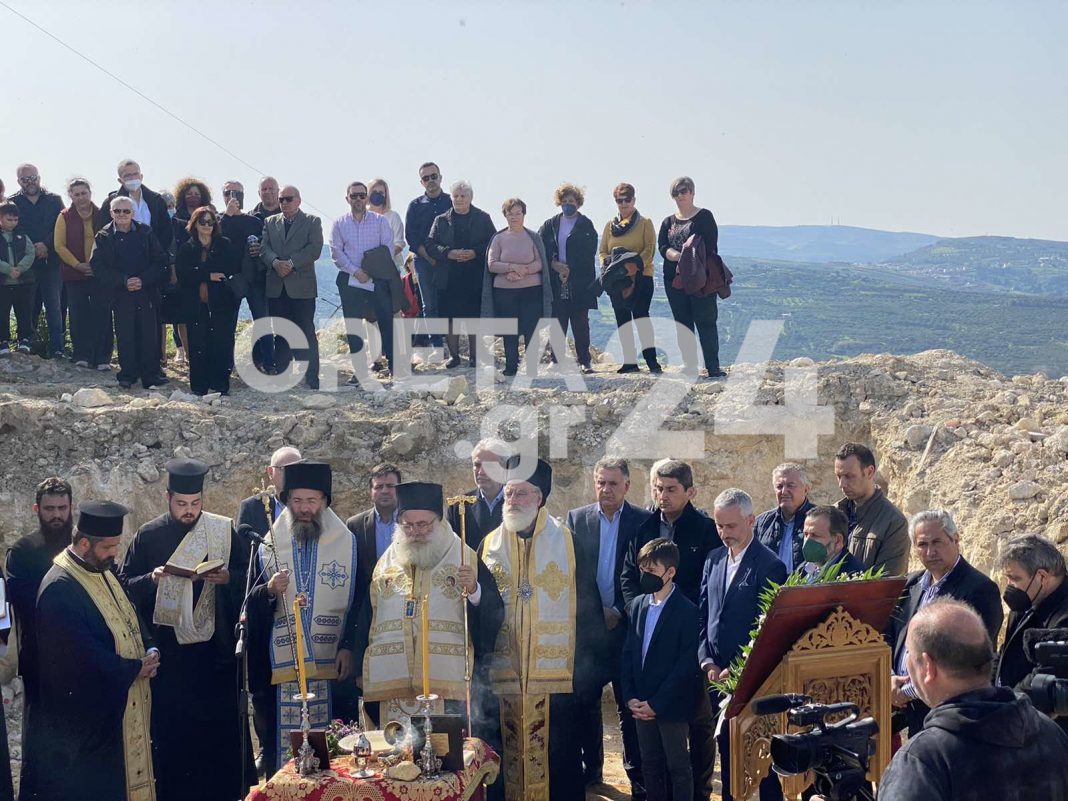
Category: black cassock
[74,751]
[196,735]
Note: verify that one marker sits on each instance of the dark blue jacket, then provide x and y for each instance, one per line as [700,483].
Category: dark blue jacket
[585,525]
[420,216]
[850,563]
[670,677]
[771,525]
[728,617]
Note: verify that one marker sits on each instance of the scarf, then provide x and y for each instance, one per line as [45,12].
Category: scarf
[620,227]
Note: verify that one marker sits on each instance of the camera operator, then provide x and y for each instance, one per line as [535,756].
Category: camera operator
[978,741]
[1037,597]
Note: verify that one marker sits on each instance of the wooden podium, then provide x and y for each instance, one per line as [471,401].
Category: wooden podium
[824,641]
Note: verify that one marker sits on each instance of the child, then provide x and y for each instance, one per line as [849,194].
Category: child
[16,285]
[660,672]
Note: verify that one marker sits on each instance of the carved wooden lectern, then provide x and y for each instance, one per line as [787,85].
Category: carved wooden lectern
[824,641]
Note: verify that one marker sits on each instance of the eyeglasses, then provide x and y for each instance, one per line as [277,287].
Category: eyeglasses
[621,200]
[420,527]
[206,222]
[287,199]
[518,495]
[432,177]
[682,190]
[29,179]
[122,211]
[357,195]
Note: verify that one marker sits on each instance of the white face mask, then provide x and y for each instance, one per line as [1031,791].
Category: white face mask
[133,184]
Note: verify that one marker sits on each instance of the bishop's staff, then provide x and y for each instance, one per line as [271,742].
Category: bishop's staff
[462,501]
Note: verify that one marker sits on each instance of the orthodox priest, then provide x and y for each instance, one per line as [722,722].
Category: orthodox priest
[553,626]
[92,739]
[192,610]
[424,561]
[310,556]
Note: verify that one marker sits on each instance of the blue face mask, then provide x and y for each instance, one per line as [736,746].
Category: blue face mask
[378,198]
[569,209]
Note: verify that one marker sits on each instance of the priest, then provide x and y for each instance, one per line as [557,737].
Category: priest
[92,740]
[425,561]
[544,656]
[310,556]
[183,571]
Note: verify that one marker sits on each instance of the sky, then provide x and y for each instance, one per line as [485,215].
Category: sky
[945,118]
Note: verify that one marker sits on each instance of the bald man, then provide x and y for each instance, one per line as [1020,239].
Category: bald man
[978,741]
[292,241]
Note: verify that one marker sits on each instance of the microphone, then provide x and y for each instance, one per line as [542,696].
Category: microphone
[249,533]
[774,704]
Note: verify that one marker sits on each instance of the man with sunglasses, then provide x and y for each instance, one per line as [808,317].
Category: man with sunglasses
[244,231]
[351,237]
[38,209]
[129,261]
[292,241]
[417,223]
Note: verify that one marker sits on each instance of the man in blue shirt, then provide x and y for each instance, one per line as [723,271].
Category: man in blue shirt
[782,529]
[417,222]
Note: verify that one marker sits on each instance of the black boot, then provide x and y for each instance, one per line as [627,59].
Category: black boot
[650,359]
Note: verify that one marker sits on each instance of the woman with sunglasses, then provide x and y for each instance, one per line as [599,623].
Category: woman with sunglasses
[696,313]
[634,233]
[178,307]
[205,263]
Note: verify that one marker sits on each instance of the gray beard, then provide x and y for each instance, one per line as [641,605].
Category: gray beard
[423,555]
[520,520]
[307,530]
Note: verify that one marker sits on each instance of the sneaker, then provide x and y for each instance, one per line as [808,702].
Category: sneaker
[81,363]
[24,346]
[586,369]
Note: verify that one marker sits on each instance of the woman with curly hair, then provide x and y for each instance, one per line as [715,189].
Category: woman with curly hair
[179,305]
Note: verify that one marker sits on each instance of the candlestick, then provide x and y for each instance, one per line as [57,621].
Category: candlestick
[301,675]
[426,645]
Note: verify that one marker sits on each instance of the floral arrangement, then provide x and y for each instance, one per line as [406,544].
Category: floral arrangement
[828,575]
[335,732]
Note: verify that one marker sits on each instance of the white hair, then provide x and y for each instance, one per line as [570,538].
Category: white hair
[735,497]
[121,199]
[791,467]
[462,186]
[495,446]
[128,163]
[943,517]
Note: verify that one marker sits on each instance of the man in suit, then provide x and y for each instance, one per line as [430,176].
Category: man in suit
[484,515]
[734,576]
[292,241]
[605,529]
[823,546]
[373,528]
[252,513]
[782,528]
[946,574]
[677,519]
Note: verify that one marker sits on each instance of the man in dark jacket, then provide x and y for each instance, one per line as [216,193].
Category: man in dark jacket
[606,529]
[571,247]
[417,223]
[823,546]
[782,529]
[238,226]
[677,520]
[485,514]
[733,579]
[978,742]
[1037,597]
[946,574]
[38,209]
[130,262]
[878,532]
[149,207]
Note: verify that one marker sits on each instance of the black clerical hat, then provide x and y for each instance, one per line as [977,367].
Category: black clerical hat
[186,476]
[101,518]
[307,475]
[542,477]
[420,495]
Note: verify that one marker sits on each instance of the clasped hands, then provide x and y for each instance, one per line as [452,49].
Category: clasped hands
[461,254]
[641,710]
[283,267]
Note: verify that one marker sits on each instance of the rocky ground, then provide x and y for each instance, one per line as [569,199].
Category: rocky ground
[947,431]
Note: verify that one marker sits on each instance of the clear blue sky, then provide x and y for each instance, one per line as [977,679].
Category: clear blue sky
[941,117]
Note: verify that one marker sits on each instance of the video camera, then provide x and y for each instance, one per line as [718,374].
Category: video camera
[837,753]
[1047,686]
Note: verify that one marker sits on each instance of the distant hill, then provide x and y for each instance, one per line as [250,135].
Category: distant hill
[990,263]
[818,243]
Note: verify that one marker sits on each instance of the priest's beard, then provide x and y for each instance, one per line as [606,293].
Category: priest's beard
[519,520]
[184,523]
[308,530]
[56,531]
[427,554]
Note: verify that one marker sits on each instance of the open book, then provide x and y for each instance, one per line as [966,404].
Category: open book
[205,567]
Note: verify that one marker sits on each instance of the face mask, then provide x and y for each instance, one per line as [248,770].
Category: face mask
[378,198]
[814,551]
[569,209]
[133,184]
[171,213]
[650,583]
[1016,599]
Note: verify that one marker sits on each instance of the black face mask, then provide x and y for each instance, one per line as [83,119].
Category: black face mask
[650,583]
[1016,599]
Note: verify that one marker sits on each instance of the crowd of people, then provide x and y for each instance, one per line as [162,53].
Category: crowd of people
[132,681]
[140,261]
